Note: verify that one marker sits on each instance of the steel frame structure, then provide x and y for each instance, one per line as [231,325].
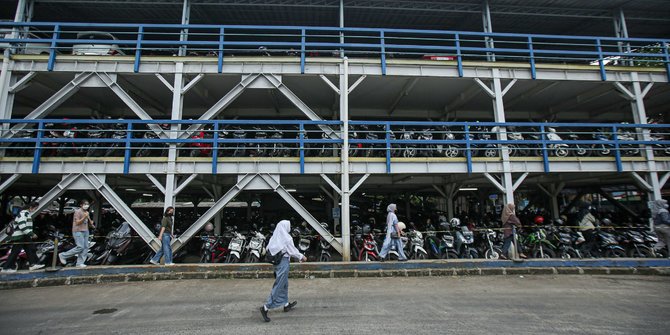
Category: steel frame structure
[18,71]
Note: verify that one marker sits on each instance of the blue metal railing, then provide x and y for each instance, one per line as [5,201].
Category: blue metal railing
[367,138]
[220,40]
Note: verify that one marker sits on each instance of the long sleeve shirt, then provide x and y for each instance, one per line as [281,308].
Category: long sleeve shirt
[23,226]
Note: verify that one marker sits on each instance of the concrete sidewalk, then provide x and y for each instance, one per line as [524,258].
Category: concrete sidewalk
[529,304]
[429,268]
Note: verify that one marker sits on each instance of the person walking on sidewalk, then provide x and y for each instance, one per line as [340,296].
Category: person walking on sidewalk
[510,222]
[165,236]
[393,233]
[81,221]
[661,217]
[23,237]
[281,242]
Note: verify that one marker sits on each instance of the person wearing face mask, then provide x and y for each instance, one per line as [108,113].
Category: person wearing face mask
[165,236]
[81,221]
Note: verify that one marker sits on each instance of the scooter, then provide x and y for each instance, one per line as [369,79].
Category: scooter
[415,245]
[324,246]
[448,150]
[465,240]
[235,247]
[255,247]
[409,149]
[492,250]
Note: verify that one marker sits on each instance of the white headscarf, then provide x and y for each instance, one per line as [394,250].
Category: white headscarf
[281,241]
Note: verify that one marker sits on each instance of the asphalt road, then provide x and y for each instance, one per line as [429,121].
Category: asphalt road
[428,305]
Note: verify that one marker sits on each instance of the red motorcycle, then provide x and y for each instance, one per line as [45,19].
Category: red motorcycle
[213,249]
[21,260]
[199,149]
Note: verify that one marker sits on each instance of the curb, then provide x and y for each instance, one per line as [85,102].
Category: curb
[313,274]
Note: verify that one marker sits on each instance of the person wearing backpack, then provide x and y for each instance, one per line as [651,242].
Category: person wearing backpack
[281,246]
[23,236]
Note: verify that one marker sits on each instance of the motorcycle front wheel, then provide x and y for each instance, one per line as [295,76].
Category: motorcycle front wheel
[492,253]
[548,253]
[641,252]
[615,253]
[253,259]
[561,152]
[451,151]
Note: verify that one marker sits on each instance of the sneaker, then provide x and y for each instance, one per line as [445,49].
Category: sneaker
[36,267]
[8,270]
[62,259]
[290,306]
[264,313]
[82,265]
[153,262]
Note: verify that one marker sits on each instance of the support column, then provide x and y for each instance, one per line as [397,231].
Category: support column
[342,26]
[176,115]
[185,19]
[488,28]
[344,117]
[636,97]
[621,31]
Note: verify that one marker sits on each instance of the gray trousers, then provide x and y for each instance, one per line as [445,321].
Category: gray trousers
[279,294]
[663,233]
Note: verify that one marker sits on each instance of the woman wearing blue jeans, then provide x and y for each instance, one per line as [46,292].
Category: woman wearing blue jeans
[281,242]
[165,236]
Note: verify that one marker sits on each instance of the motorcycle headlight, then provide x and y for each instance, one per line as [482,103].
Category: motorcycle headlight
[207,245]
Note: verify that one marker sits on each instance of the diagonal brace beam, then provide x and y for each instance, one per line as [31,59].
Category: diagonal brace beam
[316,225]
[185,183]
[358,183]
[494,182]
[300,104]
[180,241]
[331,183]
[158,184]
[52,103]
[108,193]
[131,103]
[220,105]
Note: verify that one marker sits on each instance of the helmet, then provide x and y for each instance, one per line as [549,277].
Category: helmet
[607,222]
[455,222]
[538,219]
[401,225]
[366,228]
[209,227]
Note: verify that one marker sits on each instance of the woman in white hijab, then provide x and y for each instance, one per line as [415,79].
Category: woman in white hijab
[392,230]
[281,242]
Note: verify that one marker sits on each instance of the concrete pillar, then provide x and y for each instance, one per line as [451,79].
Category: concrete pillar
[499,116]
[344,117]
[176,114]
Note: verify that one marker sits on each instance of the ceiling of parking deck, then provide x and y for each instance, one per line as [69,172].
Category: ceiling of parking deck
[646,18]
[137,186]
[379,98]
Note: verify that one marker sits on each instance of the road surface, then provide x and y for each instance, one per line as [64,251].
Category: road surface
[563,304]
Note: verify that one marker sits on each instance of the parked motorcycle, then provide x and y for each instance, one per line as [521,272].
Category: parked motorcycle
[324,246]
[255,247]
[448,150]
[415,245]
[235,247]
[464,240]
